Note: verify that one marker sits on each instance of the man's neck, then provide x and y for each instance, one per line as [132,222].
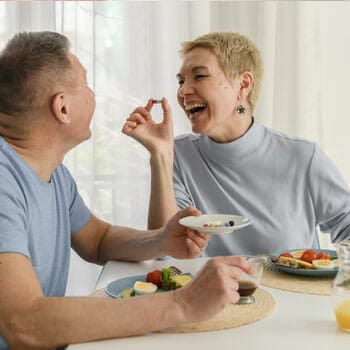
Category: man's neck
[40,154]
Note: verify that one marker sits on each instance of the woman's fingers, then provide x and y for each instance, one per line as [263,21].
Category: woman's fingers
[137,117]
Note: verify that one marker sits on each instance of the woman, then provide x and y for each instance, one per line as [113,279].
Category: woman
[232,164]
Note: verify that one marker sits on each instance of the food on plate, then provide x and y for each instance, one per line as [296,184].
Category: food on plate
[155,277]
[323,264]
[181,280]
[127,293]
[166,279]
[219,223]
[173,278]
[307,259]
[297,253]
[292,262]
[323,255]
[309,255]
[288,255]
[142,288]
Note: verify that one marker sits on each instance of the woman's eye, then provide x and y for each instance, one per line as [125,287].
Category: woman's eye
[180,82]
[200,76]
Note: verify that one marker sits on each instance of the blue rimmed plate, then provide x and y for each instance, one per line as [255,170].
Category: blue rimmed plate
[115,288]
[307,272]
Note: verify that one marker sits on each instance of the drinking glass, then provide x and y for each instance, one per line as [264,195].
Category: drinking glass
[341,287]
[249,283]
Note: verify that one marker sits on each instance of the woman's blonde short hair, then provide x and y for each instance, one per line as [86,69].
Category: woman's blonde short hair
[236,54]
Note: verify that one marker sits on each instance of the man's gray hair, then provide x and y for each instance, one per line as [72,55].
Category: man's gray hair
[31,64]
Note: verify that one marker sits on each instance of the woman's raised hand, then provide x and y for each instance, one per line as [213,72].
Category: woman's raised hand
[156,137]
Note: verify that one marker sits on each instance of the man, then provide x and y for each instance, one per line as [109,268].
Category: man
[45,110]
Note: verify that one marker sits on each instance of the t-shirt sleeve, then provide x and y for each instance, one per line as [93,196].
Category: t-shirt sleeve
[78,212]
[13,237]
[331,196]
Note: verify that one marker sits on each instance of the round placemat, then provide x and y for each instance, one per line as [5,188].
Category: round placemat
[231,316]
[295,283]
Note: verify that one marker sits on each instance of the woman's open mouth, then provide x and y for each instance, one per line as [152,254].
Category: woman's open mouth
[195,108]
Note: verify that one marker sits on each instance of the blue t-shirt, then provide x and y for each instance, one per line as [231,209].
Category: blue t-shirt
[37,218]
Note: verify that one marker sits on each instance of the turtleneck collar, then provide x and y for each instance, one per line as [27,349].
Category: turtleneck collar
[241,147]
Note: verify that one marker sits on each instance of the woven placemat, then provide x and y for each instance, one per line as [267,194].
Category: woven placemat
[295,283]
[231,316]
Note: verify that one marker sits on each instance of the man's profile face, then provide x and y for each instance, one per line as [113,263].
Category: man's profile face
[82,100]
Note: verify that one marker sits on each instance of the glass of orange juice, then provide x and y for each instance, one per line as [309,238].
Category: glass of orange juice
[342,314]
[341,287]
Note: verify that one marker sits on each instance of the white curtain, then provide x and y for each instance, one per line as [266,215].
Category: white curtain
[130,49]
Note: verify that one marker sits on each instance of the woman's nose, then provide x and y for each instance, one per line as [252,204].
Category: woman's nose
[185,89]
[180,93]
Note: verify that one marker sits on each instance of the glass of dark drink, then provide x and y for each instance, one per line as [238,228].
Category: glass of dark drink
[249,283]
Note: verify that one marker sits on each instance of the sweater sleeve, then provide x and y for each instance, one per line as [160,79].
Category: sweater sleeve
[331,196]
[182,197]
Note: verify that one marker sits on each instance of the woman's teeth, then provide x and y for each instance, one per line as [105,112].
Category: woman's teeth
[195,107]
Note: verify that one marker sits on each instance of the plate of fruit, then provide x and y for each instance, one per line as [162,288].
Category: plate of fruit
[306,262]
[215,223]
[155,281]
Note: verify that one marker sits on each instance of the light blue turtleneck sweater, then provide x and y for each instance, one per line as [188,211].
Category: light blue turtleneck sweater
[285,186]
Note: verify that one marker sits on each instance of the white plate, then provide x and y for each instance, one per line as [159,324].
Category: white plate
[197,223]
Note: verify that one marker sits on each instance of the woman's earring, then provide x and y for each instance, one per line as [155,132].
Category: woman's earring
[240,109]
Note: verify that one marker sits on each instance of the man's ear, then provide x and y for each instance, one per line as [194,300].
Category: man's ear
[61,108]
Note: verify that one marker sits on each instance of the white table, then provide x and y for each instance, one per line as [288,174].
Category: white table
[299,321]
